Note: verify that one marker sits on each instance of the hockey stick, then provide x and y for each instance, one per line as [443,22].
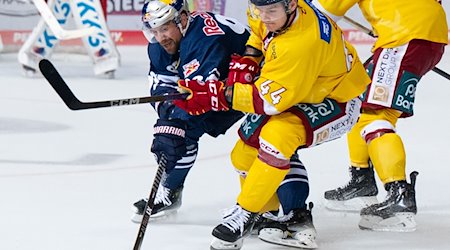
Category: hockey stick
[60,86]
[369,32]
[54,25]
[150,203]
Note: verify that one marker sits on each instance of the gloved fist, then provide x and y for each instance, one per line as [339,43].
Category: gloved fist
[242,69]
[204,96]
[169,139]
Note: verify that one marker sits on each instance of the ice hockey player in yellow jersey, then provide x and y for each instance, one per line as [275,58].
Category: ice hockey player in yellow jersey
[411,40]
[306,94]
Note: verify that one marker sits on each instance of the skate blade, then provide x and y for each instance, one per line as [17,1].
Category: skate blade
[137,218]
[29,72]
[353,205]
[277,237]
[218,244]
[400,222]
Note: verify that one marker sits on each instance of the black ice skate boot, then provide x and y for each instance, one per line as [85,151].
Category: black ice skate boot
[263,220]
[361,191]
[236,225]
[167,202]
[397,212]
[296,229]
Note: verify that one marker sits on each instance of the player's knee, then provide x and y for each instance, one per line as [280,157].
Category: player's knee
[376,129]
[272,157]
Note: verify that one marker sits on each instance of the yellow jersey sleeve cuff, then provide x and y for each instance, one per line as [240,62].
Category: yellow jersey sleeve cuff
[243,97]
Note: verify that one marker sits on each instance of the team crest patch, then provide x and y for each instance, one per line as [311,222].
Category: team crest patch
[190,67]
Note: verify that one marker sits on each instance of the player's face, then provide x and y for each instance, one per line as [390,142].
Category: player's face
[273,16]
[168,36]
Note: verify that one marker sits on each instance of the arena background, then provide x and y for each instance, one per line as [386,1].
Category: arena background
[123,17]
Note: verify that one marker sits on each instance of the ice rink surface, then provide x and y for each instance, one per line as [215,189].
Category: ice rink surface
[68,178]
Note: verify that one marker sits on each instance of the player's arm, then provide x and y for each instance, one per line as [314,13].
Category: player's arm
[284,81]
[334,9]
[280,86]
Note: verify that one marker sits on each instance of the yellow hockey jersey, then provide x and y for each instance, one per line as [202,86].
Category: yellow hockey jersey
[307,63]
[396,22]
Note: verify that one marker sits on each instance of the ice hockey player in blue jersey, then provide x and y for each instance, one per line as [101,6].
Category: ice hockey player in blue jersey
[199,48]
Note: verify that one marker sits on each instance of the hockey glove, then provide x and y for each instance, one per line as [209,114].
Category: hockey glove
[204,96]
[242,69]
[169,139]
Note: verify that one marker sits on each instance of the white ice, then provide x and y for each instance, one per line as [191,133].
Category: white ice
[68,178]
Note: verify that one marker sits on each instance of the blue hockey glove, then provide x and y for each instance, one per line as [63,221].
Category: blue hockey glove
[169,139]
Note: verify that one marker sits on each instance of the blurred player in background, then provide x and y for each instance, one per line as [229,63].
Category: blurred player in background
[408,46]
[1,44]
[83,13]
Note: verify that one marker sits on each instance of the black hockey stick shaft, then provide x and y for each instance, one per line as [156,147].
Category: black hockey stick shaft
[150,203]
[369,32]
[60,86]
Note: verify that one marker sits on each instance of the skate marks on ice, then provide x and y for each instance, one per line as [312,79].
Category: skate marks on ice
[10,125]
[84,160]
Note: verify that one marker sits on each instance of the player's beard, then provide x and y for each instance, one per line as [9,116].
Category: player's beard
[170,45]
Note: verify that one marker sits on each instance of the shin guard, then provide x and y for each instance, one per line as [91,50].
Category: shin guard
[260,185]
[388,157]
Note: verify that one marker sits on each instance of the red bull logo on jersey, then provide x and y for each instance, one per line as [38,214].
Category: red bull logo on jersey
[190,67]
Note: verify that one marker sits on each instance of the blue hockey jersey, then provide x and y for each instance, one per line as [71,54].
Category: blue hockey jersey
[205,52]
[206,48]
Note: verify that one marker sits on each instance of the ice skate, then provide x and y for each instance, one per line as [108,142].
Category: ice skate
[397,212]
[28,71]
[263,220]
[296,229]
[167,202]
[361,191]
[236,225]
[110,74]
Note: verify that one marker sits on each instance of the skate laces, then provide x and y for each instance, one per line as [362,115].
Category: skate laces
[235,217]
[162,196]
[353,179]
[282,218]
[396,191]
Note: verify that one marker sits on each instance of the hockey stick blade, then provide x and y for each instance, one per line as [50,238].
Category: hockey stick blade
[150,203]
[54,25]
[59,85]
